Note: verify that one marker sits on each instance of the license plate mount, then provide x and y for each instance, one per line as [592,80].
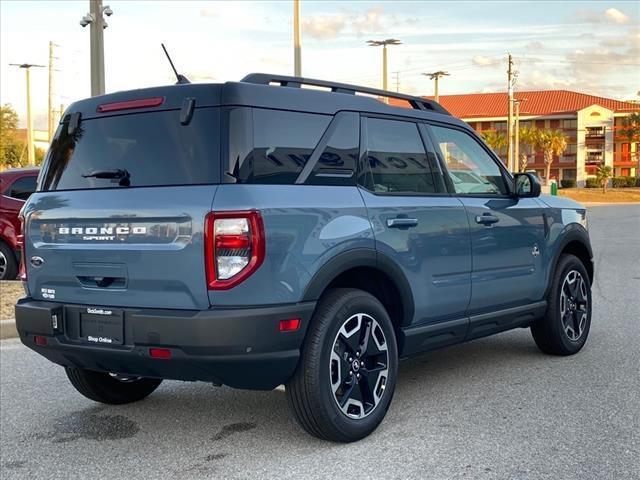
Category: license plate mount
[102,326]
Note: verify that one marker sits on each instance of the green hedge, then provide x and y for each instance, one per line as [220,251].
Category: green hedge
[625,182]
[592,183]
[568,183]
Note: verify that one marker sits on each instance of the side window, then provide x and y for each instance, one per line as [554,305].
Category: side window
[337,162]
[282,143]
[470,167]
[23,188]
[396,157]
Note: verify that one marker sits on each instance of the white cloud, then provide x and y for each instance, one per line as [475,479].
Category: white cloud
[323,27]
[483,61]
[616,16]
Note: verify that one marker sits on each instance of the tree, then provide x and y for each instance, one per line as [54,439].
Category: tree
[551,142]
[11,149]
[495,139]
[528,137]
[603,174]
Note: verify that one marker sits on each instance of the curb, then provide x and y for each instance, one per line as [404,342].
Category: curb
[603,204]
[8,329]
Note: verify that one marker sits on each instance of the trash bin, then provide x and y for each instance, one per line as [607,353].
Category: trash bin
[554,188]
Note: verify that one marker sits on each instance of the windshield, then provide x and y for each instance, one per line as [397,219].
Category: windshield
[153,148]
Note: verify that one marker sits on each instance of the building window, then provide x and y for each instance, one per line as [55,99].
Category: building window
[569,124]
[500,125]
[572,148]
[568,173]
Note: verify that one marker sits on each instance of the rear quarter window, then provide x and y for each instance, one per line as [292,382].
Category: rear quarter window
[271,146]
[153,147]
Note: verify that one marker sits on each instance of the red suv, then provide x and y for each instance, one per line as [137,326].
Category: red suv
[16,185]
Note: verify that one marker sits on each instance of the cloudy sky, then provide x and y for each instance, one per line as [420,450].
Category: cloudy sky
[591,47]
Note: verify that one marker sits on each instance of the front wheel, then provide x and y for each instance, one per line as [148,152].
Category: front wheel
[564,329]
[110,388]
[346,377]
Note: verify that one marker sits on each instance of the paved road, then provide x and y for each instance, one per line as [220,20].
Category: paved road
[492,409]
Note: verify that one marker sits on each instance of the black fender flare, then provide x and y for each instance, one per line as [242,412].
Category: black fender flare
[362,257]
[573,233]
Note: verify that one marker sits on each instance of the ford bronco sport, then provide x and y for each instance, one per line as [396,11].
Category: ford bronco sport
[259,233]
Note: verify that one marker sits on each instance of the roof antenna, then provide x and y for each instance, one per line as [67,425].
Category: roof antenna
[181,78]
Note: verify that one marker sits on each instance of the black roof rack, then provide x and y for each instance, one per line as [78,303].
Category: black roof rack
[297,82]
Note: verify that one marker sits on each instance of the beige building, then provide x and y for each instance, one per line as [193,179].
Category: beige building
[593,125]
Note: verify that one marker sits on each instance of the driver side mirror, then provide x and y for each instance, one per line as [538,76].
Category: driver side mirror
[526,185]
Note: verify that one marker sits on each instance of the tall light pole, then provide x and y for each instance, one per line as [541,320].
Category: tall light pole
[516,137]
[96,19]
[435,76]
[384,43]
[31,152]
[297,49]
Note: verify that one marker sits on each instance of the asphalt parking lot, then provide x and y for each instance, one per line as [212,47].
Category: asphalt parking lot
[495,408]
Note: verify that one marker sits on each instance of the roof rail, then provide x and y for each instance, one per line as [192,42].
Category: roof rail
[297,82]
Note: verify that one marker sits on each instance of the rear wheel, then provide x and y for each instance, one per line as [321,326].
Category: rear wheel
[8,263]
[109,388]
[346,377]
[564,329]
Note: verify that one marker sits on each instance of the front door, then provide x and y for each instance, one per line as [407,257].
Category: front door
[416,223]
[507,233]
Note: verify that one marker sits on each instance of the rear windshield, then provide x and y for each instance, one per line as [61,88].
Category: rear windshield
[153,148]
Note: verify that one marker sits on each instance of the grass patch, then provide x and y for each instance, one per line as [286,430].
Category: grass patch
[10,292]
[595,195]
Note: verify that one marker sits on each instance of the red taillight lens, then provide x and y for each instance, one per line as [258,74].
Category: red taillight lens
[40,340]
[234,247]
[289,325]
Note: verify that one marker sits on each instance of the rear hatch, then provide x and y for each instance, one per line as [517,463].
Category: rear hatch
[119,216]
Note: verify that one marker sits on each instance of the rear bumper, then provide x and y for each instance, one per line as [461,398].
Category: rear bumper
[239,347]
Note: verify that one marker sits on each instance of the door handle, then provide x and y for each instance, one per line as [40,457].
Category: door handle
[402,222]
[487,219]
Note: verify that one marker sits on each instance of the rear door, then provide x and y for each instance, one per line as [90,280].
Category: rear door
[507,233]
[416,223]
[119,217]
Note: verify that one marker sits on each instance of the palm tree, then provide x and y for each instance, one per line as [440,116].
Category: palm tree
[603,174]
[631,130]
[551,142]
[495,139]
[528,143]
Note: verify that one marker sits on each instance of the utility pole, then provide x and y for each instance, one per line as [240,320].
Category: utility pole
[297,48]
[98,23]
[383,44]
[516,136]
[31,152]
[50,112]
[510,114]
[435,76]
[397,81]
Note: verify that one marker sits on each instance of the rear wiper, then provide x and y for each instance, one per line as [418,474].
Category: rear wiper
[118,174]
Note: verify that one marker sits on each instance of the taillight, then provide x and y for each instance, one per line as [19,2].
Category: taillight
[234,247]
[22,271]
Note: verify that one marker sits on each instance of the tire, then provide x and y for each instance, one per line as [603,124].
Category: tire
[329,371]
[565,327]
[8,263]
[105,388]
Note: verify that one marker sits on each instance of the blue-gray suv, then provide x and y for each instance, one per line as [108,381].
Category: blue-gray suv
[282,230]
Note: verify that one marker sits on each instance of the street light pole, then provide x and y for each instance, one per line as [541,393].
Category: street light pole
[97,24]
[31,152]
[297,48]
[435,76]
[383,44]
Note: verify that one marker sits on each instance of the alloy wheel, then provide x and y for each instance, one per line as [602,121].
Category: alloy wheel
[574,304]
[358,366]
[3,265]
